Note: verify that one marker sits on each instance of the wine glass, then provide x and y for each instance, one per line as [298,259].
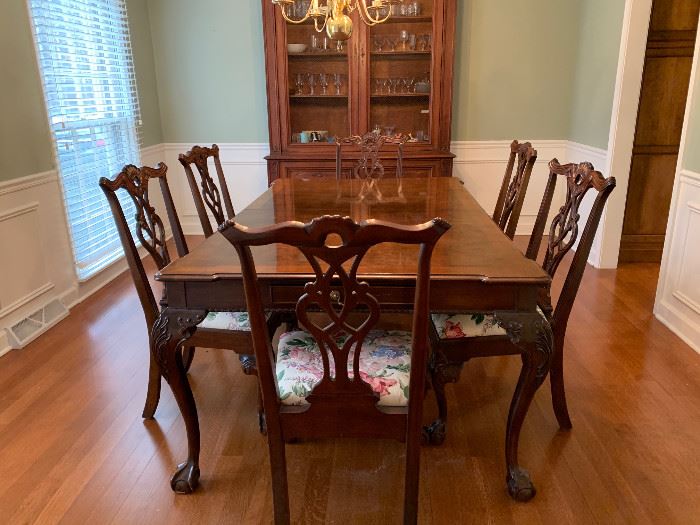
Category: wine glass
[299,83]
[378,43]
[312,83]
[408,83]
[378,85]
[404,37]
[386,83]
[395,83]
[338,81]
[323,82]
[390,43]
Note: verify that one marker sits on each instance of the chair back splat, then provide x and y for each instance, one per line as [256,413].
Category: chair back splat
[341,404]
[513,189]
[368,165]
[564,229]
[208,197]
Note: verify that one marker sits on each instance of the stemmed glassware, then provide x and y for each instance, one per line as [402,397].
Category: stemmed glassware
[299,82]
[312,83]
[378,85]
[391,43]
[404,38]
[395,83]
[338,82]
[378,43]
[323,82]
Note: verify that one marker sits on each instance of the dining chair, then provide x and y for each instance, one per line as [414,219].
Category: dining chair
[340,376]
[226,330]
[208,197]
[457,338]
[513,189]
[368,165]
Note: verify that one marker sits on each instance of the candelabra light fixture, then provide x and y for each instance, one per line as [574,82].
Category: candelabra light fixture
[332,16]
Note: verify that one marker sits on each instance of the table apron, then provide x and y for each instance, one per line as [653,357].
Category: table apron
[282,294]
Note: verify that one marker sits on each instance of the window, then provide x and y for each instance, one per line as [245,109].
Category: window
[90,89]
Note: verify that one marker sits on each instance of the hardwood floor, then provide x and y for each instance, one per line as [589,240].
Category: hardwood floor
[74,448]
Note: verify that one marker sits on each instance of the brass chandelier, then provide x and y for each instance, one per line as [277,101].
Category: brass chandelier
[332,15]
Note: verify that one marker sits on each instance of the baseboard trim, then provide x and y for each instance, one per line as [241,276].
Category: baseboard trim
[679,324]
[4,343]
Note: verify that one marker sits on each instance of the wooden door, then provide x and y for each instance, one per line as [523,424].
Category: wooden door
[668,62]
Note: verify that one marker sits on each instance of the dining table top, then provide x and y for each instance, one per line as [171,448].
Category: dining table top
[474,249]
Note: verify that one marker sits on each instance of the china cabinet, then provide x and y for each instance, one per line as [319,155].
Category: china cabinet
[394,77]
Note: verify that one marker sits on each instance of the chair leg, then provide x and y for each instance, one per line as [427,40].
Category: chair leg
[441,373]
[411,484]
[153,393]
[536,363]
[170,331]
[556,380]
[248,364]
[187,357]
[280,491]
[262,424]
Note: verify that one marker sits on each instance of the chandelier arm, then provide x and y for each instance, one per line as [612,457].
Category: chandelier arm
[286,17]
[367,18]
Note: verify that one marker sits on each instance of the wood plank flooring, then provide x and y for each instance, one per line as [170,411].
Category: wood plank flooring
[74,449]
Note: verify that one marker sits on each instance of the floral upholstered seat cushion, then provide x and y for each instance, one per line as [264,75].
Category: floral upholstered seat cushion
[385,363]
[461,326]
[234,321]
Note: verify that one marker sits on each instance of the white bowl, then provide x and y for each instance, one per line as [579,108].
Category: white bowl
[296,48]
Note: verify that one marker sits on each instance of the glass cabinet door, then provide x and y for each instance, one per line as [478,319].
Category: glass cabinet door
[318,81]
[400,71]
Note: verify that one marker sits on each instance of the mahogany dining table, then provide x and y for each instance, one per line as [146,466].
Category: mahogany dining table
[475,268]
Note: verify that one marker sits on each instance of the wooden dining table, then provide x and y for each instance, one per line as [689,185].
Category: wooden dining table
[475,268]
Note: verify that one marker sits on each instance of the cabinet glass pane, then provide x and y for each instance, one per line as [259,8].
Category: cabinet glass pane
[318,83]
[400,83]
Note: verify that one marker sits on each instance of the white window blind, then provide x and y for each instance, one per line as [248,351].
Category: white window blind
[90,88]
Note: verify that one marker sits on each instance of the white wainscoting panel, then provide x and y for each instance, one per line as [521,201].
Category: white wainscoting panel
[37,262]
[678,297]
[26,262]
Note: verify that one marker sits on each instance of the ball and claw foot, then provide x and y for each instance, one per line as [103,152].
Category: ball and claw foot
[185,479]
[436,432]
[520,486]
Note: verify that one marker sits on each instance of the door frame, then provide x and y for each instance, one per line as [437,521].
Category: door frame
[623,124]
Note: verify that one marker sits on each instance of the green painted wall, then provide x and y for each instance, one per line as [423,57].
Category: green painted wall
[514,69]
[691,159]
[142,49]
[25,144]
[211,70]
[600,30]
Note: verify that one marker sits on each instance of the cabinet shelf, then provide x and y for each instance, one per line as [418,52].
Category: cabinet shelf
[409,19]
[330,55]
[401,55]
[338,97]
[389,96]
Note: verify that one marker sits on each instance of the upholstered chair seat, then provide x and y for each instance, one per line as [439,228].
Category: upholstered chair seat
[385,364]
[464,326]
[236,321]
